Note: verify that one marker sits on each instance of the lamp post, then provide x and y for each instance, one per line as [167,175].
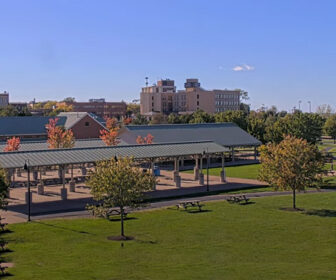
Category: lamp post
[207,157]
[300,105]
[26,167]
[309,102]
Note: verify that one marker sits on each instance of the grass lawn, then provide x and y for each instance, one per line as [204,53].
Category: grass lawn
[254,241]
[243,171]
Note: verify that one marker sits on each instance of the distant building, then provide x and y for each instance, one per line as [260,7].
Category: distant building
[101,108]
[4,99]
[83,126]
[163,98]
[20,106]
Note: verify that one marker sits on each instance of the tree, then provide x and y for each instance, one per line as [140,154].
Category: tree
[4,187]
[256,126]
[69,99]
[324,110]
[139,120]
[109,135]
[293,164]
[330,127]
[201,117]
[118,183]
[133,109]
[13,144]
[145,140]
[9,111]
[58,137]
[237,117]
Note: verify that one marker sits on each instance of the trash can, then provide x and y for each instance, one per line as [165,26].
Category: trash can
[156,171]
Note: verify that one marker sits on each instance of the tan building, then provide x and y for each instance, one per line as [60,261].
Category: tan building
[163,98]
[4,99]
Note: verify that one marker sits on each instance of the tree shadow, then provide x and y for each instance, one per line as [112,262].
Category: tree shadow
[321,213]
[63,228]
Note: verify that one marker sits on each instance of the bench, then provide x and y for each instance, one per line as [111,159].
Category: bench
[3,269]
[238,199]
[2,225]
[3,245]
[115,212]
[187,204]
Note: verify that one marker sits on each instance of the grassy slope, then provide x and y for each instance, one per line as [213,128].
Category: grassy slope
[243,171]
[255,241]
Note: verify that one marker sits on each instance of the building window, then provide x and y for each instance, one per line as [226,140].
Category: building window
[87,124]
[197,96]
[197,103]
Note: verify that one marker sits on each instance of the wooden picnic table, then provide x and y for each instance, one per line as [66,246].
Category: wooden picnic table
[238,199]
[191,203]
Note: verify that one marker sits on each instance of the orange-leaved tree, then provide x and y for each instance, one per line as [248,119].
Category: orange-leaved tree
[145,140]
[58,136]
[109,135]
[13,144]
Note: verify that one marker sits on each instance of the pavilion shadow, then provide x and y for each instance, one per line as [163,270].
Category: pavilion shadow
[321,213]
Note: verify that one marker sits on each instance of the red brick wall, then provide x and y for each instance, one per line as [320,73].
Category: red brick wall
[81,131]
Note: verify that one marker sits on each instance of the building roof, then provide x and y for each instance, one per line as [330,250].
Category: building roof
[86,155]
[43,145]
[225,134]
[35,125]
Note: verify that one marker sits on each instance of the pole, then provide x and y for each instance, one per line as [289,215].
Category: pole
[28,194]
[207,172]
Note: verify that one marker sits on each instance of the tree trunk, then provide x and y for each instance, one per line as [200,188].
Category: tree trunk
[122,221]
[294,199]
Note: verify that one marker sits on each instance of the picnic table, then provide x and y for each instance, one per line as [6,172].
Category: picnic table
[238,199]
[116,212]
[187,204]
[3,244]
[3,269]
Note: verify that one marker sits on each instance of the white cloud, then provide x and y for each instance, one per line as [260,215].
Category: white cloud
[243,67]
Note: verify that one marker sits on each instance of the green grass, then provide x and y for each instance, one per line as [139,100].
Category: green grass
[254,241]
[242,171]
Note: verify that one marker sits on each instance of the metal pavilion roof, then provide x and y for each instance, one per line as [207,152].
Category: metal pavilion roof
[225,134]
[43,145]
[87,155]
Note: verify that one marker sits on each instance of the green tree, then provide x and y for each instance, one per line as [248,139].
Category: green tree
[139,120]
[293,164]
[201,117]
[237,117]
[300,125]
[4,187]
[256,126]
[118,183]
[330,127]
[9,111]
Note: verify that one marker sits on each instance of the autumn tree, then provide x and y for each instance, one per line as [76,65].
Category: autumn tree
[118,183]
[330,127]
[58,136]
[292,164]
[110,134]
[145,140]
[13,144]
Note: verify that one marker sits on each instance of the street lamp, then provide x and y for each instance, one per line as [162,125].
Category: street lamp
[309,102]
[207,157]
[26,167]
[300,104]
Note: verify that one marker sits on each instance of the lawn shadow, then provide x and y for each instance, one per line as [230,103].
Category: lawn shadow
[321,213]
[5,231]
[117,219]
[64,228]
[196,211]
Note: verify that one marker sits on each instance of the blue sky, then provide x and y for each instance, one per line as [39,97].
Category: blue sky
[286,50]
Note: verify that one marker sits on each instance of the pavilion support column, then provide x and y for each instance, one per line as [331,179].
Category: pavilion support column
[255,153]
[176,168]
[64,191]
[201,175]
[152,165]
[18,172]
[72,184]
[222,174]
[40,186]
[232,154]
[196,168]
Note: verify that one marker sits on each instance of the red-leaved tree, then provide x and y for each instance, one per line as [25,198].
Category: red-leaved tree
[13,144]
[145,140]
[58,137]
[109,135]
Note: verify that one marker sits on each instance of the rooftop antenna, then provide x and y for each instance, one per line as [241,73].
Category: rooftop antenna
[146,81]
